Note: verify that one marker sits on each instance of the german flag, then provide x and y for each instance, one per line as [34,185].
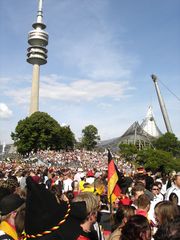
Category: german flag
[114,190]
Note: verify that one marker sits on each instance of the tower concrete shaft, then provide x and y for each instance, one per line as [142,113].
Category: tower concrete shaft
[162,105]
[34,104]
[37,55]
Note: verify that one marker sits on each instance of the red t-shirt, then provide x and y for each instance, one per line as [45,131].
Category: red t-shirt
[82,238]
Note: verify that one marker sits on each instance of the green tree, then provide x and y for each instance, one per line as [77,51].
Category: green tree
[39,131]
[128,151]
[156,159]
[67,138]
[169,143]
[90,137]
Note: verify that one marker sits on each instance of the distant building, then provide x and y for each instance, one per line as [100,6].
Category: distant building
[149,125]
[140,135]
[137,136]
[6,149]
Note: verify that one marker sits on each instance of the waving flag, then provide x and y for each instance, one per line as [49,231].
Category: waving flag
[114,190]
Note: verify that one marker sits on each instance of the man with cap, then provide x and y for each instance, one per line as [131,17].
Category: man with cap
[10,207]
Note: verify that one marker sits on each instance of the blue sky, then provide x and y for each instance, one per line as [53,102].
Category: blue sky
[101,54]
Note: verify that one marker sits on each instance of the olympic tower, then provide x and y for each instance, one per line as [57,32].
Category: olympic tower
[37,55]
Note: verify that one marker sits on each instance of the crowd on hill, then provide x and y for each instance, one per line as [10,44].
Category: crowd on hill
[63,195]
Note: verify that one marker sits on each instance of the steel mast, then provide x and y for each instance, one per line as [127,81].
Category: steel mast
[162,104]
[37,55]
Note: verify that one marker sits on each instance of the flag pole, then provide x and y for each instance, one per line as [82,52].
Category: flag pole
[111,204]
[110,196]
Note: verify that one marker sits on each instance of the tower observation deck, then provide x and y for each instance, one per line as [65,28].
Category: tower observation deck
[37,55]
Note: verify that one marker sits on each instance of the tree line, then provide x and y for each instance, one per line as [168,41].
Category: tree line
[41,131]
[163,155]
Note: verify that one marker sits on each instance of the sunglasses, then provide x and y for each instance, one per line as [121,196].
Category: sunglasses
[155,189]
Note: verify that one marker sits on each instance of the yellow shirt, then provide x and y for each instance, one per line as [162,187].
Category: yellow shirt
[81,183]
[8,229]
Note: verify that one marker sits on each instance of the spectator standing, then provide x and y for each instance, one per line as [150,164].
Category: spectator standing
[67,183]
[143,205]
[175,188]
[158,197]
[92,206]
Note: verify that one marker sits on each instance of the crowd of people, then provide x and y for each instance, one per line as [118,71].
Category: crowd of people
[64,195]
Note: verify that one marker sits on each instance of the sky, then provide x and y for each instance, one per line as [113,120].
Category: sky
[101,54]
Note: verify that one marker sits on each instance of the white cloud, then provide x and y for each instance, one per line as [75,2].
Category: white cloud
[84,90]
[73,91]
[20,96]
[5,112]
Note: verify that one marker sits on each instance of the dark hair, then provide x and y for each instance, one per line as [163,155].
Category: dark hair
[123,211]
[104,199]
[4,192]
[56,190]
[136,228]
[70,195]
[173,198]
[75,185]
[169,231]
[156,184]
[104,207]
[140,177]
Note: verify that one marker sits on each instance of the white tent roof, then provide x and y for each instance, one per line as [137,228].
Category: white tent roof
[149,125]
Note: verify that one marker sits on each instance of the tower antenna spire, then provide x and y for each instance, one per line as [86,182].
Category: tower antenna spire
[40,12]
[162,104]
[37,55]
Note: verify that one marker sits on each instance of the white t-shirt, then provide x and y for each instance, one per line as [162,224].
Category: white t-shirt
[67,185]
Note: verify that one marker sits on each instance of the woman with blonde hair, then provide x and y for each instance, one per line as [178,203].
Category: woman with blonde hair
[92,207]
[165,212]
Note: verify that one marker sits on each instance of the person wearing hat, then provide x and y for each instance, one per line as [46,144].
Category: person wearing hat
[175,188]
[90,177]
[10,210]
[46,219]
